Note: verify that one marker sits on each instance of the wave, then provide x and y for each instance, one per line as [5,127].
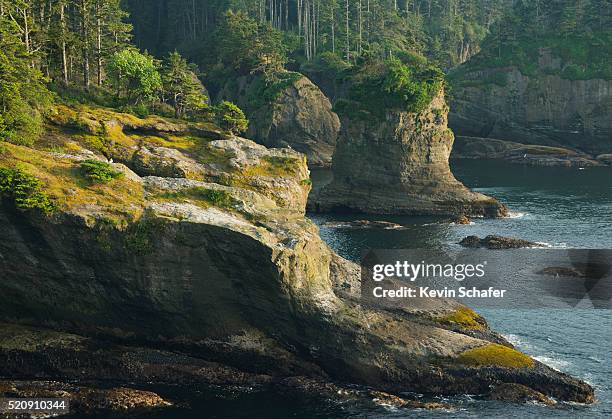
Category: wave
[554,363]
[517,341]
[552,245]
[516,214]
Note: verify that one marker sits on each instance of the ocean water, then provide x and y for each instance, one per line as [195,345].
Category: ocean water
[565,208]
[562,207]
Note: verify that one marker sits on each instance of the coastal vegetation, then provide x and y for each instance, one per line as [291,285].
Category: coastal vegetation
[98,171]
[577,33]
[81,53]
[25,190]
[495,355]
[134,215]
[464,317]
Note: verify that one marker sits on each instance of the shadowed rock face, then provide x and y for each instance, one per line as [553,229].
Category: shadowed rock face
[400,166]
[300,116]
[541,109]
[526,154]
[237,277]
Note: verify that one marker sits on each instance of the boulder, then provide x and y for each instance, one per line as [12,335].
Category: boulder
[399,165]
[605,159]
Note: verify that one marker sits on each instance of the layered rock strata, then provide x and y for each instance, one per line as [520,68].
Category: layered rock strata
[545,109]
[399,165]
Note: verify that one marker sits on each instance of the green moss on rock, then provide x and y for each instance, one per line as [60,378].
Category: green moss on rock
[465,318]
[495,355]
[215,197]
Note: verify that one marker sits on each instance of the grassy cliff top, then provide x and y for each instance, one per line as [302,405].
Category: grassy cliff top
[92,161]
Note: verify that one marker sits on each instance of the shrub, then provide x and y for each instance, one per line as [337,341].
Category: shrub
[282,165]
[98,171]
[216,197]
[230,118]
[24,189]
[376,87]
[267,88]
[140,110]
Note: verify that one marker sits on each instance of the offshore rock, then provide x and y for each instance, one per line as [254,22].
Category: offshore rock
[497,242]
[525,154]
[400,166]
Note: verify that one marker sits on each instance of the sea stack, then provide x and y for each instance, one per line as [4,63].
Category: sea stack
[398,164]
[287,111]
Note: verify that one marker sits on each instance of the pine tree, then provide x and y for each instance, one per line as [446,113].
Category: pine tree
[23,95]
[181,87]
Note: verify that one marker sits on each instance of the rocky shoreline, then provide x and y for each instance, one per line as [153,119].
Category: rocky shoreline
[211,273]
[525,154]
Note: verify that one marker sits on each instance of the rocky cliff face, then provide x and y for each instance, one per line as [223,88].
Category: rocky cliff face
[216,269]
[545,109]
[400,166]
[525,154]
[291,111]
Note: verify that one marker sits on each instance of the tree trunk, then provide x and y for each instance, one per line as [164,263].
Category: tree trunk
[360,29]
[333,30]
[85,37]
[63,46]
[348,45]
[99,44]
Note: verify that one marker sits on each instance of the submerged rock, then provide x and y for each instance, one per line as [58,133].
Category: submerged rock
[399,165]
[562,271]
[219,272]
[497,242]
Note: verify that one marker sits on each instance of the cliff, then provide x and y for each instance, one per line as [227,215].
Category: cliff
[287,110]
[543,77]
[191,262]
[399,165]
[540,108]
